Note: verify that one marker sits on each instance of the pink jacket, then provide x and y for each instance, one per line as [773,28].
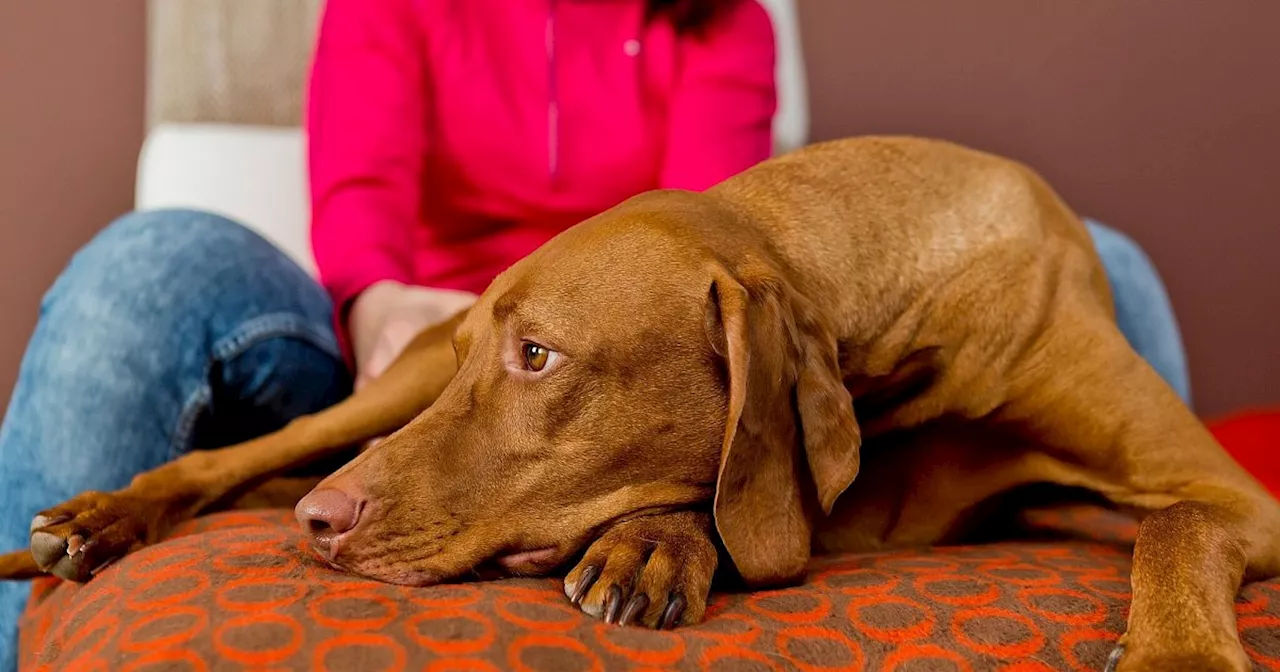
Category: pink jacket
[449,138]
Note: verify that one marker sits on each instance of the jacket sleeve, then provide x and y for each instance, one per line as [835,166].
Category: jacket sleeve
[721,116]
[366,135]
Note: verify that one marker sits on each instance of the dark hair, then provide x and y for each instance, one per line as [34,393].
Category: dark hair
[686,16]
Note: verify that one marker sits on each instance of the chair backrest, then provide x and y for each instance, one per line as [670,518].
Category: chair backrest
[791,123]
[225,89]
[241,62]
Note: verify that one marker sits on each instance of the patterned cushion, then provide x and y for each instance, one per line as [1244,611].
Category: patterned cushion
[244,591]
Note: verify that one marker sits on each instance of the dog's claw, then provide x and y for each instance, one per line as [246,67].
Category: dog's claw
[95,571]
[635,607]
[87,545]
[42,521]
[613,605]
[671,615]
[1114,659]
[585,581]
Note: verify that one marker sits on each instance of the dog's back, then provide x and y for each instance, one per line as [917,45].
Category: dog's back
[891,217]
[924,253]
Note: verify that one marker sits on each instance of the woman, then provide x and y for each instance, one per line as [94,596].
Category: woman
[447,140]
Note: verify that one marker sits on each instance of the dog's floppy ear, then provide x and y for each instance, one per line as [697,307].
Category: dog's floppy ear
[791,443]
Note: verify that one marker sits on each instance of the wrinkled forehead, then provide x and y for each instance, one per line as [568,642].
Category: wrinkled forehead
[617,276]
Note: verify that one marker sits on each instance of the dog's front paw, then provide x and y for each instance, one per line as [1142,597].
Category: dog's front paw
[75,540]
[654,571]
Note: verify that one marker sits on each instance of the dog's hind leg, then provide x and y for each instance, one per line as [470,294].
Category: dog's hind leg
[1094,404]
[76,538]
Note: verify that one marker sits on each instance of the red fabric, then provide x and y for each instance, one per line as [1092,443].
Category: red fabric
[243,590]
[449,139]
[1253,439]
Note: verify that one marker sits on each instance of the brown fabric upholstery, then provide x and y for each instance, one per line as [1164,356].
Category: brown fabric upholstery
[229,62]
[243,590]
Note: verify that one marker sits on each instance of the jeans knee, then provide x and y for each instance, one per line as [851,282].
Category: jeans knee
[174,239]
[174,224]
[154,253]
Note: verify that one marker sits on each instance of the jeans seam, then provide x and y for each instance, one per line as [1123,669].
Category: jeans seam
[191,409]
[248,334]
[272,325]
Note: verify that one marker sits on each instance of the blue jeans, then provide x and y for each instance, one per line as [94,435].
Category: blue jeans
[177,330]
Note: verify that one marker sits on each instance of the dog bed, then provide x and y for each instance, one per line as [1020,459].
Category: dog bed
[243,590]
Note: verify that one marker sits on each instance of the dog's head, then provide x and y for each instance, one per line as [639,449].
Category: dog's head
[648,359]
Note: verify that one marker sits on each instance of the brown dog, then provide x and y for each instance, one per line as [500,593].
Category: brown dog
[867,344]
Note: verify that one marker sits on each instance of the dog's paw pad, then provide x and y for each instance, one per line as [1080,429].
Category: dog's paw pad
[47,549]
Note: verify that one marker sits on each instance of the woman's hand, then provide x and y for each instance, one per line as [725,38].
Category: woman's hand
[387,315]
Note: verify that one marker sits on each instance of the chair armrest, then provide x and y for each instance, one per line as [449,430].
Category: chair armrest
[254,175]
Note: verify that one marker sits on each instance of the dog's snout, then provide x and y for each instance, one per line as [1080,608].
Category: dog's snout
[327,514]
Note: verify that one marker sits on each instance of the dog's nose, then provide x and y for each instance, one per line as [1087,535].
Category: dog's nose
[327,514]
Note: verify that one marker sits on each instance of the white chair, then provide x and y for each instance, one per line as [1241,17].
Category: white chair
[257,175]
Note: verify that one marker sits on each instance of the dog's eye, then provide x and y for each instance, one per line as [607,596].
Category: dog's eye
[536,357]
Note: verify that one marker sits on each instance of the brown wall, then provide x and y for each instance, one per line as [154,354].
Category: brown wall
[1159,118]
[71,118]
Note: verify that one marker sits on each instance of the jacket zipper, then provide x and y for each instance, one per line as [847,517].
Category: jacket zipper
[553,96]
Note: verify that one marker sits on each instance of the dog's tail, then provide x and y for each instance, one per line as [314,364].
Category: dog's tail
[18,565]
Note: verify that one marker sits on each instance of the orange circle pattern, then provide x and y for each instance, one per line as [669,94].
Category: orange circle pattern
[242,591]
